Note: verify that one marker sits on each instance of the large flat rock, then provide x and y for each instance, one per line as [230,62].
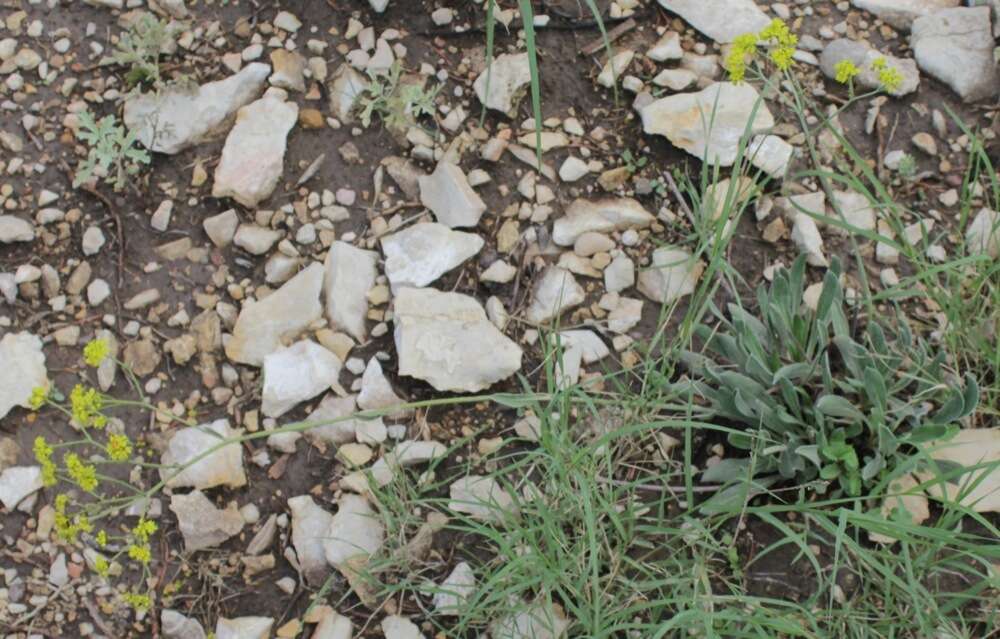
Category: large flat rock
[721,20]
[446,340]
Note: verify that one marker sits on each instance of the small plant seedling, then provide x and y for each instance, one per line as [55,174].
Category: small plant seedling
[397,103]
[113,153]
[140,48]
[634,163]
[907,167]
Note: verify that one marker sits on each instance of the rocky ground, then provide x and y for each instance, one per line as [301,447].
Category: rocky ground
[326,225]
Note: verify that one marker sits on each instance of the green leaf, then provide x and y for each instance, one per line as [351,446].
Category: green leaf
[837,406]
[726,471]
[951,410]
[931,432]
[875,388]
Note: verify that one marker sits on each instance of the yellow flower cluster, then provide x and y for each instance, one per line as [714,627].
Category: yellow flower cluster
[140,552]
[101,566]
[85,405]
[144,530]
[95,351]
[68,528]
[119,448]
[776,35]
[43,455]
[39,395]
[742,51]
[85,475]
[137,601]
[889,77]
[845,71]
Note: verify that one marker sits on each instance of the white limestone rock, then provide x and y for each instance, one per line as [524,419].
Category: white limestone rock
[721,20]
[806,237]
[508,77]
[350,274]
[709,124]
[481,498]
[355,533]
[338,427]
[397,627]
[983,234]
[348,85]
[310,524]
[956,46]
[221,467]
[176,626]
[446,340]
[770,154]
[244,628]
[555,291]
[23,370]
[419,255]
[254,154]
[177,118]
[602,216]
[263,325]
[902,13]
[17,483]
[455,590]
[376,391]
[201,523]
[446,192]
[297,373]
[14,229]
[673,273]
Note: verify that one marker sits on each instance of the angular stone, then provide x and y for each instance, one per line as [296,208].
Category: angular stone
[420,254]
[863,56]
[446,340]
[253,158]
[221,467]
[176,626]
[592,348]
[805,235]
[508,77]
[289,68]
[355,532]
[222,227]
[982,236]
[979,489]
[602,216]
[337,427]
[540,620]
[14,229]
[17,483]
[956,46]
[902,13]
[396,627]
[348,85]
[297,373]
[673,273]
[350,274]
[202,524]
[376,391]
[446,192]
[177,118]
[333,626]
[455,590]
[721,20]
[23,370]
[481,498]
[555,291]
[243,628]
[262,325]
[310,524]
[709,124]
[770,154]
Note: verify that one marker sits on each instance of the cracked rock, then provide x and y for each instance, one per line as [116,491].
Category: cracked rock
[420,254]
[221,467]
[297,373]
[201,523]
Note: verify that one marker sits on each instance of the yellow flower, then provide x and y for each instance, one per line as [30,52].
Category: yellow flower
[43,454]
[86,405]
[101,566]
[743,49]
[891,79]
[39,395]
[95,351]
[845,71]
[119,447]
[783,57]
[144,530]
[878,64]
[85,475]
[102,538]
[778,32]
[140,553]
[137,601]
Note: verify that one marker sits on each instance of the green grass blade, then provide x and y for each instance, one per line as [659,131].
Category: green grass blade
[528,18]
